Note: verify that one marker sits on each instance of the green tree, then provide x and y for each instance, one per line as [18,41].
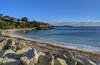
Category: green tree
[24,19]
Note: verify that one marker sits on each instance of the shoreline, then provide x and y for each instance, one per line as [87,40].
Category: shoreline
[54,44]
[48,46]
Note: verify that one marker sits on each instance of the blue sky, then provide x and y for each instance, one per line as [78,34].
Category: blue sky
[52,10]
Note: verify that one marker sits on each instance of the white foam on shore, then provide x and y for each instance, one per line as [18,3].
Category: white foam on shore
[84,47]
[79,47]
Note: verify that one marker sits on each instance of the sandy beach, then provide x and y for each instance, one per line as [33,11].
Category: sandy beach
[49,48]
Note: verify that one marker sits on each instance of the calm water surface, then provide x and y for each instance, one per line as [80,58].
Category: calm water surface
[86,38]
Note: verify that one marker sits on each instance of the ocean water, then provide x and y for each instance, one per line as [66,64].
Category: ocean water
[85,38]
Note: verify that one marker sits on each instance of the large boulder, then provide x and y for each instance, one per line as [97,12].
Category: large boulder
[79,63]
[60,61]
[22,48]
[1,59]
[66,57]
[32,55]
[85,61]
[4,41]
[69,58]
[8,53]
[8,61]
[44,60]
[66,54]
[91,62]
[52,60]
[2,45]
[10,44]
[24,60]
[21,51]
[64,61]
[22,45]
[71,61]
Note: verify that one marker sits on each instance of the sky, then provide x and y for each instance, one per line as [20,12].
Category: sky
[52,10]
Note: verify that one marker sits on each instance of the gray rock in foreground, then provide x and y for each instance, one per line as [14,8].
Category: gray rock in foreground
[8,61]
[12,53]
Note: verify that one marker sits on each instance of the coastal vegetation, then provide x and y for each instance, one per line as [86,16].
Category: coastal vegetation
[7,22]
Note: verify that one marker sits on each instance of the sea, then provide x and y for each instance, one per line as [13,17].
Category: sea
[85,38]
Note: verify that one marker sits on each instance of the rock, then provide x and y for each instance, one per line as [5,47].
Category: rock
[22,51]
[13,54]
[24,60]
[22,45]
[10,44]
[8,53]
[32,55]
[60,61]
[7,45]
[8,61]
[13,46]
[69,58]
[70,61]
[1,47]
[13,43]
[44,60]
[79,63]
[66,54]
[56,62]
[1,59]
[22,48]
[41,53]
[2,44]
[4,41]
[91,62]
[52,60]
[32,63]
[85,61]
[9,41]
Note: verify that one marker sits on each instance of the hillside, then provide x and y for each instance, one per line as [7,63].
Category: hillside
[7,22]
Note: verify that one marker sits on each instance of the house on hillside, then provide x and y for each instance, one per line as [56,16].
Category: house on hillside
[11,19]
[6,18]
[15,19]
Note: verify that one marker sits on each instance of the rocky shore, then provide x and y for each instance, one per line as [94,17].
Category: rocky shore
[20,51]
